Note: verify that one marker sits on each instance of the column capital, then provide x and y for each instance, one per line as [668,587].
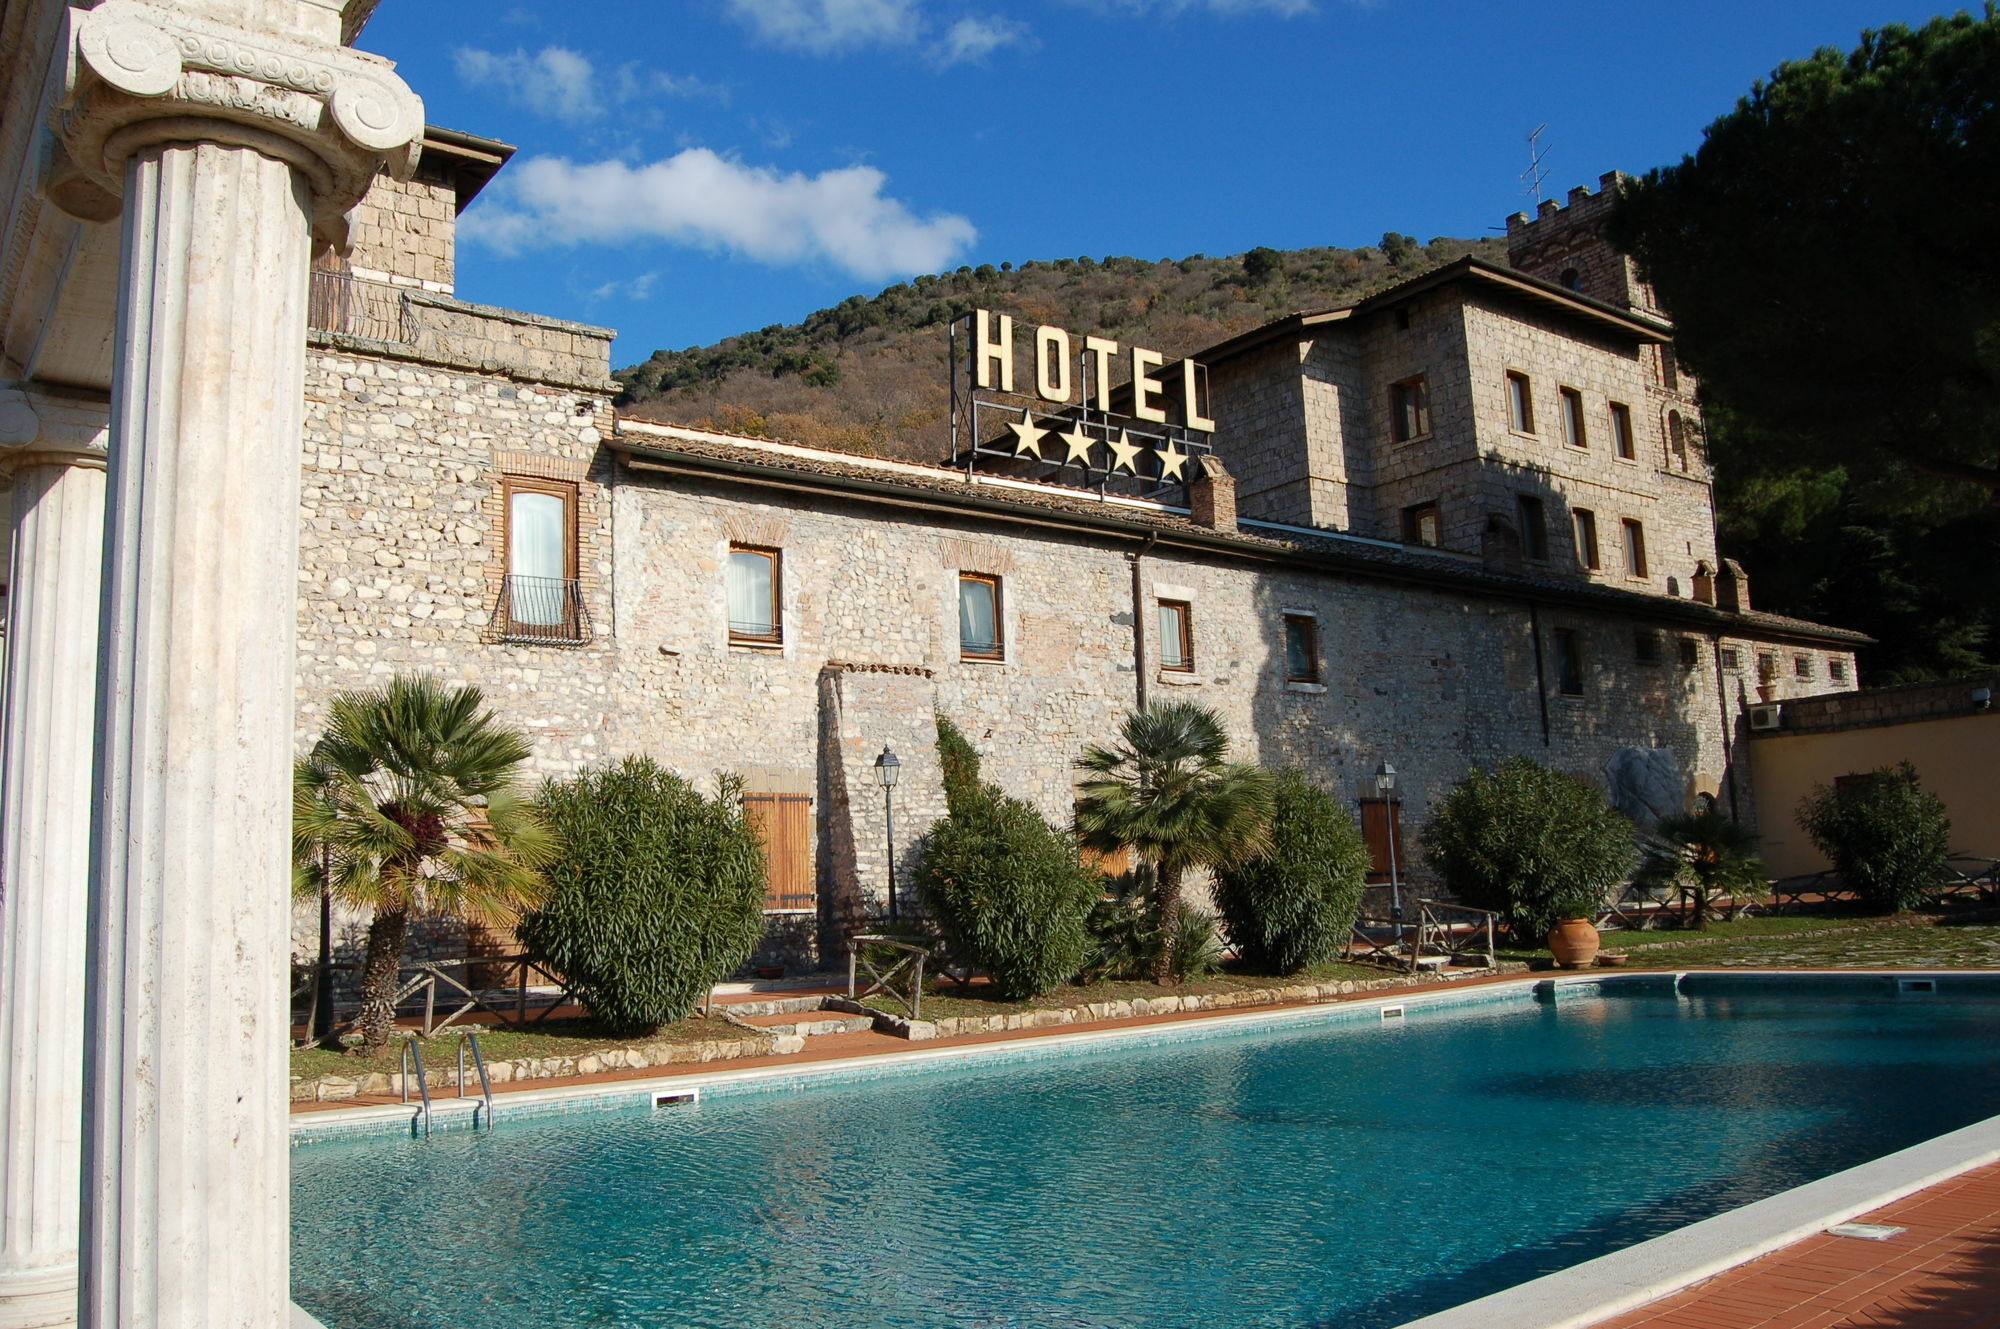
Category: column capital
[131,75]
[43,429]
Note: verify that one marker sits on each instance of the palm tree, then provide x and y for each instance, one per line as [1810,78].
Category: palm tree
[1170,793]
[407,804]
[1704,854]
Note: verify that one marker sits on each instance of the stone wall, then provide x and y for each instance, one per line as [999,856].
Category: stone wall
[405,231]
[1891,705]
[1566,237]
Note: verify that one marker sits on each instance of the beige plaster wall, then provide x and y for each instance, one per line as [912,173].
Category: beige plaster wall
[1957,758]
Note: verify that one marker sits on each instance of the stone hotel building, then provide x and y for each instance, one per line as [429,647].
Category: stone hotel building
[1464,518]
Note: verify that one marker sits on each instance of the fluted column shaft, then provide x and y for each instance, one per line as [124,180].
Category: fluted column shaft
[50,693]
[185,1168]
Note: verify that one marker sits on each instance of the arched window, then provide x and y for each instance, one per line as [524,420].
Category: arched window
[1572,279]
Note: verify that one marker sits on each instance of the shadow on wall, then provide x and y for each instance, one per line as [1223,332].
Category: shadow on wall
[1434,682]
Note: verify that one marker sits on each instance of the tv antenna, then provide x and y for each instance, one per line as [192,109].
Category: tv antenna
[1532,178]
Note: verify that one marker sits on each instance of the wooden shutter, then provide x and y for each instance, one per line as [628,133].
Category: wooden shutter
[1114,864]
[1382,818]
[784,823]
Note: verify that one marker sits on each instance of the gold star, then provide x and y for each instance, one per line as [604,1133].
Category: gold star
[1078,443]
[1027,436]
[1172,463]
[1124,452]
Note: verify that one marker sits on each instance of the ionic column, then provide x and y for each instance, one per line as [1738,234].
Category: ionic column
[226,145]
[45,768]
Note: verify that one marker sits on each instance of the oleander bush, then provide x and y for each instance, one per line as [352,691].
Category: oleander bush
[1886,835]
[657,895]
[1004,886]
[1294,905]
[1532,844]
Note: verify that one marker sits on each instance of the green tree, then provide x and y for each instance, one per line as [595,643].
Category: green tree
[1827,257]
[1005,887]
[1705,854]
[1293,905]
[408,805]
[1169,792]
[1532,844]
[657,895]
[1262,264]
[1886,835]
[1828,251]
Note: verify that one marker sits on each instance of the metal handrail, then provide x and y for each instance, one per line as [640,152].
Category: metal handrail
[412,1051]
[485,1085]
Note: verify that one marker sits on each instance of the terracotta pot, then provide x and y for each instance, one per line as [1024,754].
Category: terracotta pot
[1574,942]
[770,971]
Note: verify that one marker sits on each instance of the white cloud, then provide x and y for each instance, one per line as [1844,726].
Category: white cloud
[825,26]
[973,39]
[697,197]
[639,288]
[554,81]
[565,85]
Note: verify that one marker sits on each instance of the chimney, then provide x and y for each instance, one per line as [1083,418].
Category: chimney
[1704,583]
[1212,494]
[1732,588]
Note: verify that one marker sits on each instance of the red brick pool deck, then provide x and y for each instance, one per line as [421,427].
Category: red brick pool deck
[1942,1273]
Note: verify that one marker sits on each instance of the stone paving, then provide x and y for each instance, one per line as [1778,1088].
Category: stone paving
[1878,946]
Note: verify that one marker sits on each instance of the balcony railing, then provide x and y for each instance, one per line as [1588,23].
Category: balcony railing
[542,609]
[358,307]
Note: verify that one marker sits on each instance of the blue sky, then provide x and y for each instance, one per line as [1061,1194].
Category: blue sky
[696,168]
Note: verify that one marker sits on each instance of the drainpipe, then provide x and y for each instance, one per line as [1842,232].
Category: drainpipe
[1139,617]
[1728,725]
[1541,679]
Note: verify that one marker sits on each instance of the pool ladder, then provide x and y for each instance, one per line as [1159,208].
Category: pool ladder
[414,1055]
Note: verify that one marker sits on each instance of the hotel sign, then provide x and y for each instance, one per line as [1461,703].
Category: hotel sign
[1088,406]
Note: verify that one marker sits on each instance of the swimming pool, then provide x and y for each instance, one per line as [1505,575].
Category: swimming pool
[1333,1170]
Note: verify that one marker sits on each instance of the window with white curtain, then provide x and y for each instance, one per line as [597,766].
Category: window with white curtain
[753,596]
[541,552]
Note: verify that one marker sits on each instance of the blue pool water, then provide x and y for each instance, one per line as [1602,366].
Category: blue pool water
[1324,1175]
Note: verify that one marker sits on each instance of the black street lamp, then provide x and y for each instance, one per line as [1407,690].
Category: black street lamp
[887,767]
[1385,785]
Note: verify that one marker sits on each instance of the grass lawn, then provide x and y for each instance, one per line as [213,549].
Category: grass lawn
[945,1000]
[1837,941]
[555,1038]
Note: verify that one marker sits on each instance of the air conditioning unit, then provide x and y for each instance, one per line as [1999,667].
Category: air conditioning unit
[1765,718]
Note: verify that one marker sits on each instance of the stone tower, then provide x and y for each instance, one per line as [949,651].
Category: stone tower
[1564,243]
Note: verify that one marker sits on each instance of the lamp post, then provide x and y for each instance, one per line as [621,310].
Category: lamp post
[1385,785]
[887,767]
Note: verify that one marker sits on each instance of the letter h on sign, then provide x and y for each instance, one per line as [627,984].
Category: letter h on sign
[990,350]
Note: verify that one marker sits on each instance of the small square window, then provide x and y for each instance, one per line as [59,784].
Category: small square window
[1836,669]
[1301,648]
[1520,404]
[1569,663]
[1586,539]
[753,585]
[1646,647]
[979,626]
[1802,667]
[1176,636]
[1409,409]
[1621,432]
[1574,433]
[1420,525]
[1690,653]
[1732,660]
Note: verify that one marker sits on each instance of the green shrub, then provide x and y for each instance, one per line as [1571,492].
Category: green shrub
[1124,935]
[658,894]
[1007,890]
[1294,905]
[1004,886]
[1197,949]
[1887,836]
[1532,844]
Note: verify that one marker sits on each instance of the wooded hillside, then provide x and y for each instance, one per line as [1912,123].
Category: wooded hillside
[868,375]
